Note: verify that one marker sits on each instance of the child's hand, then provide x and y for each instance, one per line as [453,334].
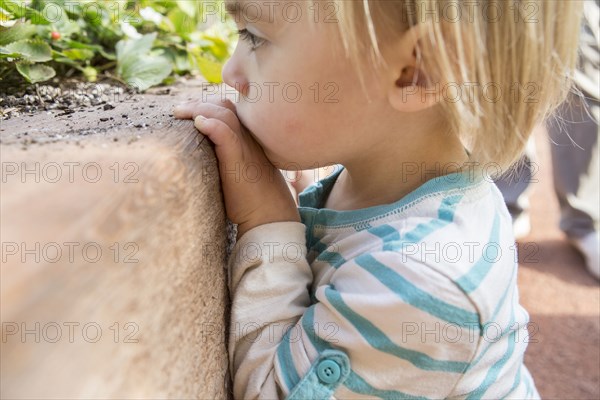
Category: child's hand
[255,191]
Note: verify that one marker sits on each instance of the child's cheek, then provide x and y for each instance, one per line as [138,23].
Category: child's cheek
[292,126]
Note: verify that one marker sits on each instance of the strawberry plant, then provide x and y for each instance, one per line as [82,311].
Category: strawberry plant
[139,43]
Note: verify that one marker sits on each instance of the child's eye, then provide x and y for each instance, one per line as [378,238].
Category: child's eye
[255,41]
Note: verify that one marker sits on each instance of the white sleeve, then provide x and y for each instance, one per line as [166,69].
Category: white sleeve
[269,280]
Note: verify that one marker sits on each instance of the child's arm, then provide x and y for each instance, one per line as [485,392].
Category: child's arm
[399,340]
[269,280]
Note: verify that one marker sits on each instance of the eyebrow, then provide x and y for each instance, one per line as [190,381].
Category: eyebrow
[235,9]
[232,7]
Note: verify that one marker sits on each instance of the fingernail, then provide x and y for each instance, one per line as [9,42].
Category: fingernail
[199,120]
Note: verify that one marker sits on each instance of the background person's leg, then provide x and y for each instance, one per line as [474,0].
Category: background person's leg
[574,149]
[515,187]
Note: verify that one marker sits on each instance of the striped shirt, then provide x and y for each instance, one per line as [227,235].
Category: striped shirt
[420,295]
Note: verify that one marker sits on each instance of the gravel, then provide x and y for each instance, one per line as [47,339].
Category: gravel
[66,95]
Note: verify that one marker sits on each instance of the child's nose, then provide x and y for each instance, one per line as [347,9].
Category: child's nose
[233,76]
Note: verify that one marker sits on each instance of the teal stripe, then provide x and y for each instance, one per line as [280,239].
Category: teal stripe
[414,236]
[319,246]
[494,370]
[286,363]
[416,297]
[448,207]
[445,216]
[354,381]
[504,294]
[307,321]
[422,230]
[380,341]
[385,232]
[477,273]
[516,384]
[391,236]
[503,333]
[495,314]
[334,259]
[307,219]
[474,363]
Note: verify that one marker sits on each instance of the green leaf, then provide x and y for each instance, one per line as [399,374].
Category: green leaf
[183,23]
[218,47]
[210,69]
[18,31]
[40,4]
[19,10]
[130,48]
[95,15]
[182,64]
[35,72]
[35,51]
[137,67]
[187,7]
[4,53]
[79,54]
[179,59]
[144,72]
[6,19]
[78,45]
[108,56]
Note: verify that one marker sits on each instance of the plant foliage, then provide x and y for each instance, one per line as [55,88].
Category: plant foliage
[140,43]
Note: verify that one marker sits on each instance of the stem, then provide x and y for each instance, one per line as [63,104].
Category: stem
[4,73]
[37,91]
[115,78]
[106,66]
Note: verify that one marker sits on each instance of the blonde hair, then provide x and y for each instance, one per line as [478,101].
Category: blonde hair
[523,52]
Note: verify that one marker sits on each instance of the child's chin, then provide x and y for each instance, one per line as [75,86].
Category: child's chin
[281,162]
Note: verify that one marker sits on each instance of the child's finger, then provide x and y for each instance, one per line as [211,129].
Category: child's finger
[209,110]
[228,145]
[183,110]
[186,110]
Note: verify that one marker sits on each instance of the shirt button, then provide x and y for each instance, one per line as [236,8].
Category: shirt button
[328,371]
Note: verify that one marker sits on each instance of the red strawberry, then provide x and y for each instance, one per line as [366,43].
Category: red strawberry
[55,35]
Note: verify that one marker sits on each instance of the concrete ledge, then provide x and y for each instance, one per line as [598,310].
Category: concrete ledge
[113,275]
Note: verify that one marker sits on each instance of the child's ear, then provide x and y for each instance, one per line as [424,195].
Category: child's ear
[409,88]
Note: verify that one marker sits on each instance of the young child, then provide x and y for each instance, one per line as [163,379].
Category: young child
[396,276]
